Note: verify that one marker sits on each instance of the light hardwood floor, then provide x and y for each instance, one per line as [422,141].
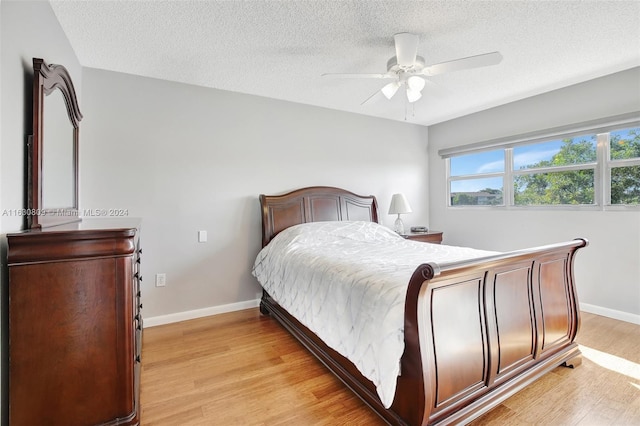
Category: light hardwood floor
[243,368]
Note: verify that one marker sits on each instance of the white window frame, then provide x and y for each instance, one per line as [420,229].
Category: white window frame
[606,172]
[475,176]
[602,166]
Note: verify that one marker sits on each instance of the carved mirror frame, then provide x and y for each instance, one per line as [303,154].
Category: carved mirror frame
[47,79]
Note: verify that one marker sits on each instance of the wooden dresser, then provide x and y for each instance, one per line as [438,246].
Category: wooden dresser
[75,324]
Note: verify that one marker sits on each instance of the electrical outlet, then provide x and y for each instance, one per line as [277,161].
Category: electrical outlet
[161,280]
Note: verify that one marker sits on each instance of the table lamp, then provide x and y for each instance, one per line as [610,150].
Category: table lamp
[399,205]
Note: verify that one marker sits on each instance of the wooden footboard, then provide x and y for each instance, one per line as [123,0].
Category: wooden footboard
[476,332]
[485,329]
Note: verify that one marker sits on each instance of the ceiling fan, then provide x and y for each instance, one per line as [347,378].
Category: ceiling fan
[408,69]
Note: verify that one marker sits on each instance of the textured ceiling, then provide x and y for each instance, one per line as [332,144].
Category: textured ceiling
[279,49]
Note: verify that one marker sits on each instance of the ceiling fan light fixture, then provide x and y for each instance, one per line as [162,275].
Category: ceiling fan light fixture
[390,89]
[416,83]
[413,95]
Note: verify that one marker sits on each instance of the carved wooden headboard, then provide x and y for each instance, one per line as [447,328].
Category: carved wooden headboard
[313,204]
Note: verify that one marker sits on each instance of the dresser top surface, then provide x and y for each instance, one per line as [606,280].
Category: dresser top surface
[85,225]
[80,240]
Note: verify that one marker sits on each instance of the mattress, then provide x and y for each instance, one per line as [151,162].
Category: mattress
[346,282]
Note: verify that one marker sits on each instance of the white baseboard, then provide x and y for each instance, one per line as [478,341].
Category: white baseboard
[611,313]
[199,313]
[214,310]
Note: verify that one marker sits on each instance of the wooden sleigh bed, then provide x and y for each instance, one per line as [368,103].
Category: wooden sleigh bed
[515,318]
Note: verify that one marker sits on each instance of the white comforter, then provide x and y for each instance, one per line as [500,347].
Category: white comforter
[346,282]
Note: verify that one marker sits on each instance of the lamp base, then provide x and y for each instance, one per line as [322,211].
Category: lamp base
[398,226]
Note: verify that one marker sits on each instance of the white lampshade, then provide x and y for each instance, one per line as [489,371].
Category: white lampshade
[390,89]
[413,95]
[399,205]
[415,83]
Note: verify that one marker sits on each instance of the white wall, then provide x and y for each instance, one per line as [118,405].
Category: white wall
[188,158]
[28,29]
[608,271]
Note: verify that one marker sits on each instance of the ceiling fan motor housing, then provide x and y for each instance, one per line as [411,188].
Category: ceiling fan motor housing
[408,76]
[416,67]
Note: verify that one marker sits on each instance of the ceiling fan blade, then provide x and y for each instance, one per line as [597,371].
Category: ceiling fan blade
[338,75]
[406,48]
[483,60]
[370,97]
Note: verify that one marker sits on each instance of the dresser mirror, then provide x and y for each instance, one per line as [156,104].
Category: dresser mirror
[53,165]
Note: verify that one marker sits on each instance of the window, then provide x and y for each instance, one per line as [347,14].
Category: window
[555,172]
[593,168]
[623,166]
[477,179]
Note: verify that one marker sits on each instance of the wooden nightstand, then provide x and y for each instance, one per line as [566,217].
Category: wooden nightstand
[434,237]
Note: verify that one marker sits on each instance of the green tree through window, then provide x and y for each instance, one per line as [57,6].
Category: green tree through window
[625,181]
[484,197]
[563,187]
